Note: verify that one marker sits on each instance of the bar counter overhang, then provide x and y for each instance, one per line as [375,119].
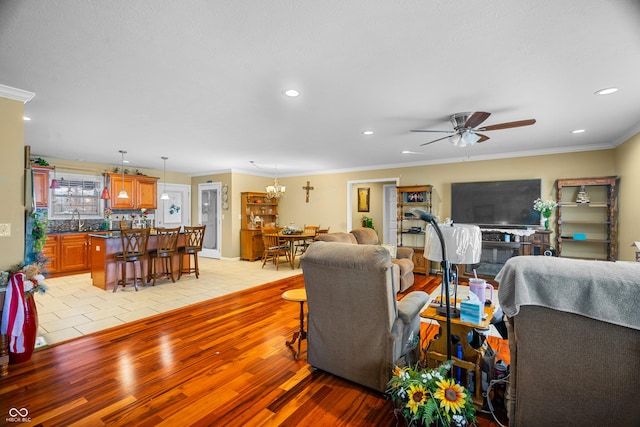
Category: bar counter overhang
[105,247]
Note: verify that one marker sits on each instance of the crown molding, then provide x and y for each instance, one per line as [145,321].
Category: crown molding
[16,94]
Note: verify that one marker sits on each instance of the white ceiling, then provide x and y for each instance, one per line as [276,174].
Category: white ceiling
[201,82]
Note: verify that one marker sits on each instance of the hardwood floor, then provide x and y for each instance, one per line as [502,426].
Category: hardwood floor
[219,362]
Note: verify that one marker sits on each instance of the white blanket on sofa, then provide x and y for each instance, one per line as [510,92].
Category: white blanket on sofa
[606,291]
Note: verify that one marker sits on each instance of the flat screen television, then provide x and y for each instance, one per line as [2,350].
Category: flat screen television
[496,203]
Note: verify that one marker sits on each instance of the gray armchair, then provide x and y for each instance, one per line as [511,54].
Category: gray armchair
[356,328]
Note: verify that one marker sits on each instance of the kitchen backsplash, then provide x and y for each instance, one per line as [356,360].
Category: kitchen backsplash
[65,226]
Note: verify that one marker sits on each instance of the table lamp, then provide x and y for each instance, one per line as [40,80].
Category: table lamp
[450,244]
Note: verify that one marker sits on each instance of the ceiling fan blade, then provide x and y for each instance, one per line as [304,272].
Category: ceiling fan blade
[427,130]
[507,125]
[482,137]
[476,118]
[436,140]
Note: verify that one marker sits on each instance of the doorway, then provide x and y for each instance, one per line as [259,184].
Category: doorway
[388,218]
[209,214]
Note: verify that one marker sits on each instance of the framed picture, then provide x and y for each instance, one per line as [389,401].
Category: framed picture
[414,197]
[363,199]
[173,208]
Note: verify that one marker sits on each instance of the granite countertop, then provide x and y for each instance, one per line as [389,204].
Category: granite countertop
[109,235]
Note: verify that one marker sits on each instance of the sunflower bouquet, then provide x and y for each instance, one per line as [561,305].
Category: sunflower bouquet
[426,396]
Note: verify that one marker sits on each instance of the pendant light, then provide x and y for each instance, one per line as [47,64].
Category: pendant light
[54,181]
[164,195]
[105,193]
[123,193]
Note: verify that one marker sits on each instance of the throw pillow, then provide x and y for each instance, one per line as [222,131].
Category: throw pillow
[391,248]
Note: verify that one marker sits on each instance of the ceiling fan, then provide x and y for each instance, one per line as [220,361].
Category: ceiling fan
[465,127]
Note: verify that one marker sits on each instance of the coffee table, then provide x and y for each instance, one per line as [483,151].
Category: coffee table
[471,359]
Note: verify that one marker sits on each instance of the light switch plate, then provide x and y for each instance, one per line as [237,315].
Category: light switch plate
[5,230]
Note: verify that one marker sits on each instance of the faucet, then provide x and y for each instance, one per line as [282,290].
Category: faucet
[80,223]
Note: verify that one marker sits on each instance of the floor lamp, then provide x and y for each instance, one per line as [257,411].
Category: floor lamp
[450,244]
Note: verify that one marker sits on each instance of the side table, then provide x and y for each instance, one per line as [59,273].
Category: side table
[471,357]
[297,295]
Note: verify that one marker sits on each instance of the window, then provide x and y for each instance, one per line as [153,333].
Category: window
[79,194]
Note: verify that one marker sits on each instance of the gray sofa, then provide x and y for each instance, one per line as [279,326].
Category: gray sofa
[574,338]
[368,236]
[356,327]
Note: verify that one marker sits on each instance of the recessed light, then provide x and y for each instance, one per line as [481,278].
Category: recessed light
[607,91]
[292,93]
[578,131]
[26,119]
[367,132]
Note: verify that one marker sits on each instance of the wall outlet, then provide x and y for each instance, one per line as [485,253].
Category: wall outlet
[5,230]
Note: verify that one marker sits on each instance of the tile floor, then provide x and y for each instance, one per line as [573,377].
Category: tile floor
[72,307]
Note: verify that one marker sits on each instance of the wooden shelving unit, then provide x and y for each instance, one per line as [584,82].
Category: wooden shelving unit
[596,219]
[257,211]
[411,230]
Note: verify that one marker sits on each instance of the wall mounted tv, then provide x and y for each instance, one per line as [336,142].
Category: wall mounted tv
[495,203]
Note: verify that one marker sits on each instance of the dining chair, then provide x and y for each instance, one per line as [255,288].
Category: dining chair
[302,245]
[166,245]
[323,230]
[274,248]
[193,238]
[134,252]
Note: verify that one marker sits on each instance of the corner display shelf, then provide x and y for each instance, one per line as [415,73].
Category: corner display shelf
[587,218]
[410,232]
[257,211]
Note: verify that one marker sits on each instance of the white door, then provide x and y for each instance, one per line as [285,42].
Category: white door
[209,214]
[175,212]
[390,227]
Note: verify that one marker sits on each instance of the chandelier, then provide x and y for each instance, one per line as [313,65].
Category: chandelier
[276,190]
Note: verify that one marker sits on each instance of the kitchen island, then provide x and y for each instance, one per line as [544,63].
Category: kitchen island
[105,247]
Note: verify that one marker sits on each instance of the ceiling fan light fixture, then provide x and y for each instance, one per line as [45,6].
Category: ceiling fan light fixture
[455,139]
[470,138]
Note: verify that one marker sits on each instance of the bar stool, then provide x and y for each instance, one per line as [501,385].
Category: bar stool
[134,250]
[193,238]
[166,243]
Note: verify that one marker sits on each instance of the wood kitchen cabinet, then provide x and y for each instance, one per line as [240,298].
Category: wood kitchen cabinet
[142,191]
[68,253]
[41,186]
[74,252]
[51,250]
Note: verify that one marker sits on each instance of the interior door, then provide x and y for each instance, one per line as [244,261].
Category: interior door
[175,212]
[209,214]
[389,215]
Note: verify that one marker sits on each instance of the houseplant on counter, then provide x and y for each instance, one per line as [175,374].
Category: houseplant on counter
[545,207]
[426,397]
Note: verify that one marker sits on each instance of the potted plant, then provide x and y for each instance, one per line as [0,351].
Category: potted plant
[545,207]
[367,222]
[426,397]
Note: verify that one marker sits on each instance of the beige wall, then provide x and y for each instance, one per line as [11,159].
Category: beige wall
[627,166]
[12,209]
[328,200]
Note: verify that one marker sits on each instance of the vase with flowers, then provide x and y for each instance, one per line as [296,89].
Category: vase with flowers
[426,397]
[545,207]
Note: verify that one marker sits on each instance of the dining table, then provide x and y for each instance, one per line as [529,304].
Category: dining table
[291,239]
